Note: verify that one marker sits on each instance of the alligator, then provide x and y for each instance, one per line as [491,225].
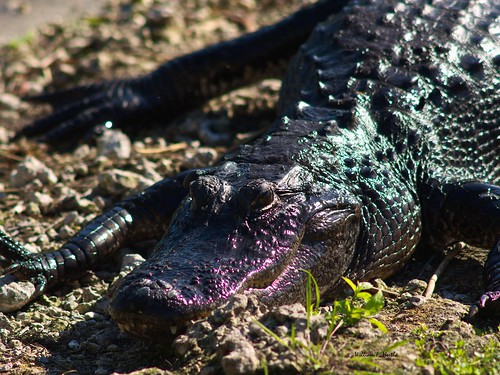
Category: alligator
[387,136]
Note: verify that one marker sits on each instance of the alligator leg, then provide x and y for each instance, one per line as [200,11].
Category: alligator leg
[181,84]
[143,216]
[468,212]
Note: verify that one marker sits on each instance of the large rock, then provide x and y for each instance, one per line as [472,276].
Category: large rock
[30,169]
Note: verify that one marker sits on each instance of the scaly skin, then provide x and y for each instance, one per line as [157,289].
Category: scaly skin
[387,137]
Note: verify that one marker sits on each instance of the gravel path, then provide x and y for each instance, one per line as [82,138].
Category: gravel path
[18,17]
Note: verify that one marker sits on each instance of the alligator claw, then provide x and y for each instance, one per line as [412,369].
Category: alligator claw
[10,269]
[60,98]
[23,280]
[19,265]
[489,297]
[473,311]
[79,110]
[488,305]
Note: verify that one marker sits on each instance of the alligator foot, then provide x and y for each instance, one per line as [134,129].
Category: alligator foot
[22,278]
[80,109]
[488,305]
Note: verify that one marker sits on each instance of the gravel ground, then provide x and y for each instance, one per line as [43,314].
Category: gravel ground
[46,195]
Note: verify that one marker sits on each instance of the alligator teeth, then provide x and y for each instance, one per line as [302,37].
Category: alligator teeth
[173,329]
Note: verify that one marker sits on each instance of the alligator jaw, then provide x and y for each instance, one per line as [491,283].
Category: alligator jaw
[167,326]
[135,308]
[149,329]
[326,259]
[194,271]
[163,295]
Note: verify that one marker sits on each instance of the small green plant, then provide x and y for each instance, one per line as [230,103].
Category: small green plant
[362,305]
[27,38]
[264,366]
[95,21]
[311,308]
[346,312]
[458,359]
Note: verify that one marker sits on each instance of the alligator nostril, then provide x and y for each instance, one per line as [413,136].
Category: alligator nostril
[203,190]
[256,195]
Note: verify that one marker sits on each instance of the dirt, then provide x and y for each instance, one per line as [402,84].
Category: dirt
[69,329]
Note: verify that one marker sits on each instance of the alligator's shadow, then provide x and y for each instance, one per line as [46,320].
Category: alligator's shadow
[96,346]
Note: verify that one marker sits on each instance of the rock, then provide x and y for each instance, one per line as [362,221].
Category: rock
[33,209]
[44,201]
[147,169]
[237,304]
[14,294]
[319,329]
[116,182]
[200,329]
[201,158]
[427,370]
[81,152]
[4,135]
[417,300]
[29,170]
[211,132]
[182,344]
[74,345]
[159,16]
[66,232]
[416,285]
[238,354]
[131,261]
[10,101]
[289,312]
[364,330]
[71,217]
[114,144]
[208,370]
[81,169]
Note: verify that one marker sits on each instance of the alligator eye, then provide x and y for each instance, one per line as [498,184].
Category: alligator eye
[203,190]
[256,195]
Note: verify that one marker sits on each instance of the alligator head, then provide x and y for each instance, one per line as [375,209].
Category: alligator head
[238,232]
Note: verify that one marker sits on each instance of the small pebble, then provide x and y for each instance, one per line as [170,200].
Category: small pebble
[114,144]
[117,182]
[74,345]
[201,158]
[416,285]
[417,300]
[181,344]
[66,232]
[43,200]
[14,294]
[31,169]
[241,357]
[131,261]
